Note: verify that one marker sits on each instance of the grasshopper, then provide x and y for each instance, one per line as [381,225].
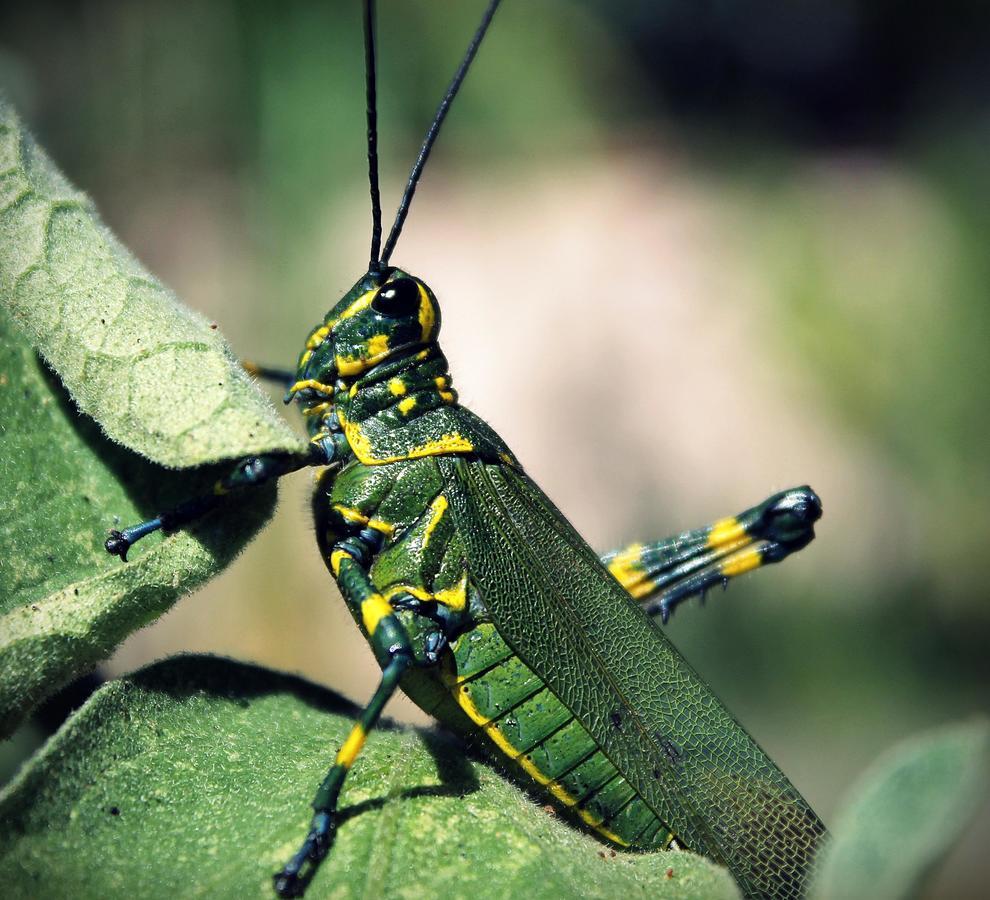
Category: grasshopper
[483,604]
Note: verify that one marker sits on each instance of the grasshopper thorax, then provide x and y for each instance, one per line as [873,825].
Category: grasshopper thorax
[387,314]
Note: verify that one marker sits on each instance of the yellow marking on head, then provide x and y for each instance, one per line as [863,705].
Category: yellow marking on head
[319,436]
[627,567]
[316,410]
[406,406]
[422,354]
[454,598]
[439,507]
[336,558]
[318,337]
[353,391]
[311,383]
[373,610]
[725,531]
[743,561]
[351,747]
[397,386]
[507,459]
[377,345]
[305,358]
[448,396]
[362,302]
[427,317]
[440,381]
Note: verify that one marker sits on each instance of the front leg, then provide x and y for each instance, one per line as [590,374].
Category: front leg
[283,378]
[252,471]
[664,574]
[392,647]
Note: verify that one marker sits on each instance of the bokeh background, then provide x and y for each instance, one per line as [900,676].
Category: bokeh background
[688,254]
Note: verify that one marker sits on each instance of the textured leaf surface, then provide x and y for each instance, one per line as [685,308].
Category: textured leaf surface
[193,778]
[906,813]
[155,376]
[65,603]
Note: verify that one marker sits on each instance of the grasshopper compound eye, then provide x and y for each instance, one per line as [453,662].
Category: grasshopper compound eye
[397,299]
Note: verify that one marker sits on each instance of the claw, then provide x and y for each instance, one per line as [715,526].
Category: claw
[287,884]
[117,544]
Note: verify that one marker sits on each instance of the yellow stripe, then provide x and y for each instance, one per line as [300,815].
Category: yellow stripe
[317,337]
[439,507]
[336,558]
[448,443]
[373,610]
[357,517]
[741,562]
[352,746]
[427,317]
[491,729]
[725,531]
[351,514]
[627,568]
[456,597]
[416,592]
[386,528]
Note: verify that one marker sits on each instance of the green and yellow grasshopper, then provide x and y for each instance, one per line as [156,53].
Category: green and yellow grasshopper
[491,612]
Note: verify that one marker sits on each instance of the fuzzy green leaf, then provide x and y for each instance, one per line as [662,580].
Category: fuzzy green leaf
[155,378]
[65,603]
[154,374]
[193,778]
[906,813]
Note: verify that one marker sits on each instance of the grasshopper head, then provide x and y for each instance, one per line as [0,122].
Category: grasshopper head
[384,314]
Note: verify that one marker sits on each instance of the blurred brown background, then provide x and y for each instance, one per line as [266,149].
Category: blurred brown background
[688,254]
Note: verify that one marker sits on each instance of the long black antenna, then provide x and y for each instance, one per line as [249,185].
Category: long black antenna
[371,94]
[431,135]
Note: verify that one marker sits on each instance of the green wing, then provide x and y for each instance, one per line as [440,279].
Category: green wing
[652,715]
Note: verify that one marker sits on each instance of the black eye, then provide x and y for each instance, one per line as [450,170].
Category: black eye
[397,298]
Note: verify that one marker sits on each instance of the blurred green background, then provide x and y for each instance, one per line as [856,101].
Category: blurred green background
[688,254]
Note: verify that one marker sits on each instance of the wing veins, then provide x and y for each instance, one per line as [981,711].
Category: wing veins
[673,782]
